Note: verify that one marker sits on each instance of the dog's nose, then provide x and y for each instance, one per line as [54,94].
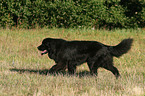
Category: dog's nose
[38,47]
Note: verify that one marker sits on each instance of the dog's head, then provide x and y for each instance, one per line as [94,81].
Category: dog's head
[50,45]
[44,47]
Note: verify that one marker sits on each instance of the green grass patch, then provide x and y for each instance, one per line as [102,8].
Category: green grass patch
[22,68]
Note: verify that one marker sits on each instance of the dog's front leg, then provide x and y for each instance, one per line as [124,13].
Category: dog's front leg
[57,67]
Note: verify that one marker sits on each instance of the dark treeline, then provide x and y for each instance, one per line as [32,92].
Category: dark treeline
[72,13]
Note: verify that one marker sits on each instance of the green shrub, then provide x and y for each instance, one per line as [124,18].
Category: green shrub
[72,13]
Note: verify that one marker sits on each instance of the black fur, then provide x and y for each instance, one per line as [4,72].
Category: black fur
[69,54]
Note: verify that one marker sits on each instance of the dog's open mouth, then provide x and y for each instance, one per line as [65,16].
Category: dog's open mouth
[44,52]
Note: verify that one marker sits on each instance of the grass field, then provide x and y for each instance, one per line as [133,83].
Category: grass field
[23,69]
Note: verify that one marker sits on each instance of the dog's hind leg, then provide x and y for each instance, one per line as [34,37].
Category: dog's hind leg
[107,63]
[113,69]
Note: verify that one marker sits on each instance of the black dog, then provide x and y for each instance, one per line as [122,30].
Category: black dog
[69,54]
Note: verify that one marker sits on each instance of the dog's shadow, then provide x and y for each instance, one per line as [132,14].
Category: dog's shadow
[41,72]
[46,72]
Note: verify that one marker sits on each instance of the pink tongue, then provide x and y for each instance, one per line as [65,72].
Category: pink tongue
[44,51]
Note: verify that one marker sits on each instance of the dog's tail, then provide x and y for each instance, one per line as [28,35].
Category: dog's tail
[122,48]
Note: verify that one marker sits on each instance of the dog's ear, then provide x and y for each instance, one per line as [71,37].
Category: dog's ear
[52,46]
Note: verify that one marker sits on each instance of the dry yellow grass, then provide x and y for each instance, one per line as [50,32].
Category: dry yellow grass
[22,69]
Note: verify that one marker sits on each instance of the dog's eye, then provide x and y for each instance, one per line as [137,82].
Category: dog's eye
[44,45]
[47,44]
